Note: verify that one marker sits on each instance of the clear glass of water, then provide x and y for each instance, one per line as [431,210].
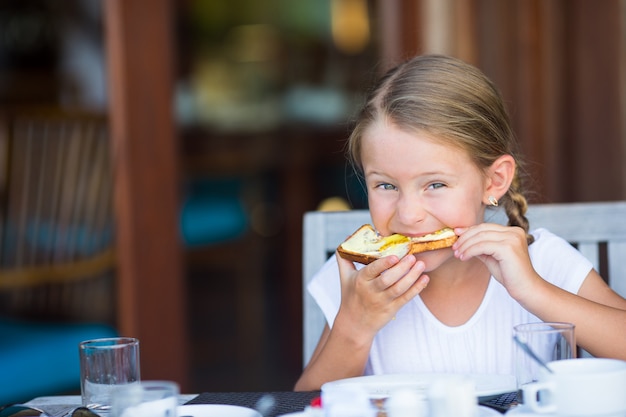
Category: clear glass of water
[104,365]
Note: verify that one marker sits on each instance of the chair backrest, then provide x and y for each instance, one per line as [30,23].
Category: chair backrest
[56,216]
[597,229]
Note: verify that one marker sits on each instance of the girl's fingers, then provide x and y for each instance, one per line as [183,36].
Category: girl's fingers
[408,277]
[389,277]
[474,240]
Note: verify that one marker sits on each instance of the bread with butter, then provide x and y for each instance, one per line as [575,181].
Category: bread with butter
[365,245]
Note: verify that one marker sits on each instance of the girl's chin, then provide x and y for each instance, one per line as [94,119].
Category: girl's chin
[435,258]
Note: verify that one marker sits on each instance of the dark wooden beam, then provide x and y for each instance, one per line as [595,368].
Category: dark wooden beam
[151,293]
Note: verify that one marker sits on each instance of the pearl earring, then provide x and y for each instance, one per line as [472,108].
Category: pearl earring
[493,201]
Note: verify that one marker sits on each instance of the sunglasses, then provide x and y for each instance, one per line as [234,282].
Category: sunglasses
[19,410]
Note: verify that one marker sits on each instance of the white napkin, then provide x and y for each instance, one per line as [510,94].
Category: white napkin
[165,407]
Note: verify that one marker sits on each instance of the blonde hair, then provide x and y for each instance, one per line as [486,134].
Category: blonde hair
[452,101]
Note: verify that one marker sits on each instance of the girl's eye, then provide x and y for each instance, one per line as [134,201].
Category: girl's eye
[385,186]
[436,185]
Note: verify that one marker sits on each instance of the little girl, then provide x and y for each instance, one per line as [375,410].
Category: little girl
[435,148]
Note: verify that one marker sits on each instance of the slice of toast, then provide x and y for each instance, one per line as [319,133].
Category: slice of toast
[365,245]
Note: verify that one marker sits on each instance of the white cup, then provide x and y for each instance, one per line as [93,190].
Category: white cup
[145,399]
[104,365]
[580,387]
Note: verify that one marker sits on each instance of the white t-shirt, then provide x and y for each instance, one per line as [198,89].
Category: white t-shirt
[417,342]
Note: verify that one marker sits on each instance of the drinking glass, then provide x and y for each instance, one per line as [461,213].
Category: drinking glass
[145,399]
[105,364]
[551,341]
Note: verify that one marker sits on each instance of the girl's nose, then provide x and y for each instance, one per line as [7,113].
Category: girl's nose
[409,210]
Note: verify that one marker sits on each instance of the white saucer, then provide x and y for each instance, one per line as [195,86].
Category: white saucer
[482,412]
[216,410]
[521,411]
[487,412]
[382,385]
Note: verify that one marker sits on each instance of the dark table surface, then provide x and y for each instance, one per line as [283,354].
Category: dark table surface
[290,402]
[284,401]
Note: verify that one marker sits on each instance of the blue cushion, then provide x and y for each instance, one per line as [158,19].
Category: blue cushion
[210,220]
[212,212]
[38,359]
[51,236]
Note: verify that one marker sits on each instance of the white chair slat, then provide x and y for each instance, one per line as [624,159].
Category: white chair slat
[591,252]
[617,268]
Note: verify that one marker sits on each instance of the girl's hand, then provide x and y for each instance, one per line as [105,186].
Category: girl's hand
[503,249]
[371,296]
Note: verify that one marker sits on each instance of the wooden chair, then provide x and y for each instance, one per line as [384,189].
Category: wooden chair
[56,249]
[597,229]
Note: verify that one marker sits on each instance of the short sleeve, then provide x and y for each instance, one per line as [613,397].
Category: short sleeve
[558,262]
[325,288]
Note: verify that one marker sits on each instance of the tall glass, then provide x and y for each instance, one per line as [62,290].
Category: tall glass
[551,341]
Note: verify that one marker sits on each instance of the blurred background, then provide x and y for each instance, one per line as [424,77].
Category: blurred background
[161,153]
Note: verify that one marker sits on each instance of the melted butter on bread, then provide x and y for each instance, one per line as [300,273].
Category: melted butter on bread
[439,234]
[368,242]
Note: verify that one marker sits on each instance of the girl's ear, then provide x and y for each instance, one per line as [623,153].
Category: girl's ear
[499,177]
